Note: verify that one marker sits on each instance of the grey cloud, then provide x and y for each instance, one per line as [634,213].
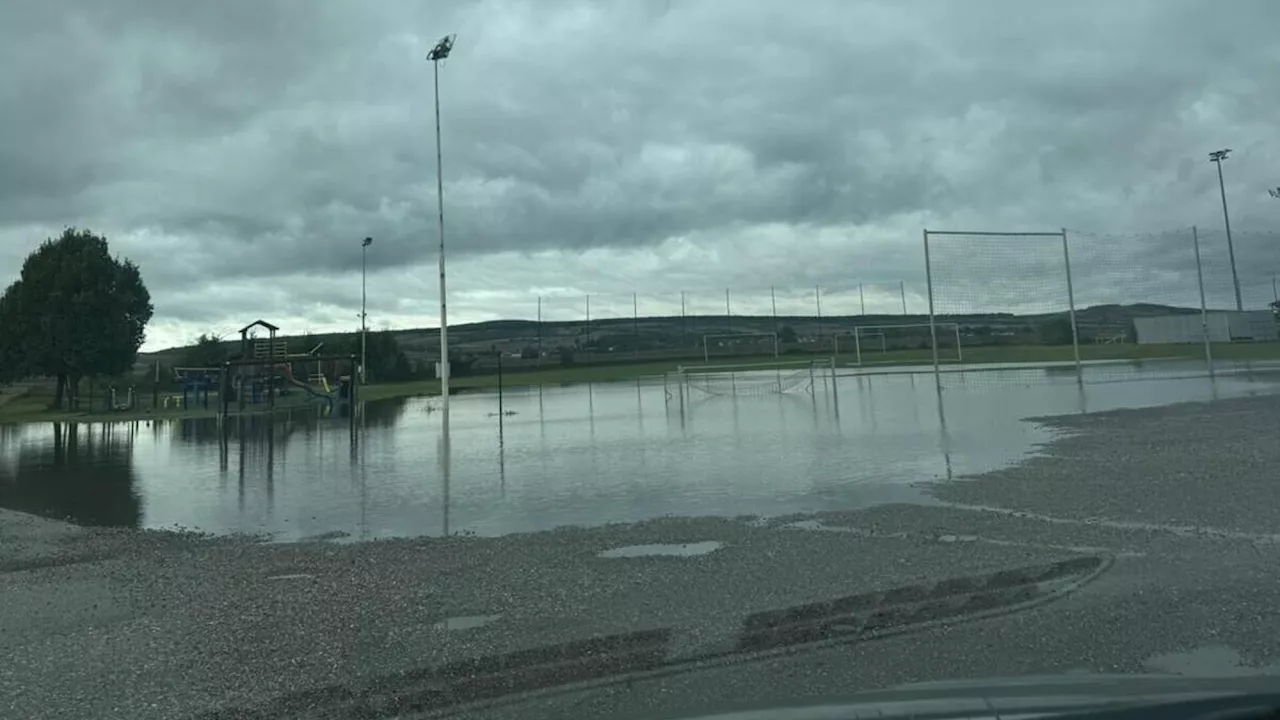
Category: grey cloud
[266,138]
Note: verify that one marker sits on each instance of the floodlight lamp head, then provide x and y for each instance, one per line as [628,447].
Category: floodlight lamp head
[367,242]
[442,49]
[1219,155]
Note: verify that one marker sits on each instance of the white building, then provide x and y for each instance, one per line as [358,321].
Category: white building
[1222,326]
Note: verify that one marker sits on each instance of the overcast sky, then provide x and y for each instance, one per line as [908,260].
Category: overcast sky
[239,150]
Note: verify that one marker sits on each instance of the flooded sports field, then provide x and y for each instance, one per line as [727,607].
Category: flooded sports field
[573,455]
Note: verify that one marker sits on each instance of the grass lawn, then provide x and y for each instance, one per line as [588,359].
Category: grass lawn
[33,407]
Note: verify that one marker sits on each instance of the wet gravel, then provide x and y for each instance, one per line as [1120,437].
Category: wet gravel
[109,623]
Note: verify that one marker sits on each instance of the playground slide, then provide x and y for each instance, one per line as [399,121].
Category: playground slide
[287,372]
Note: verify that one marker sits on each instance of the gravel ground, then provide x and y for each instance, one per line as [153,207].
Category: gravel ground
[1183,500]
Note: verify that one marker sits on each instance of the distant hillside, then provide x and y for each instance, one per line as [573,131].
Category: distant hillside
[512,336]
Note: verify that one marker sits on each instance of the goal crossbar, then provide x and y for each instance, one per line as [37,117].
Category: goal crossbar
[861,331]
[746,367]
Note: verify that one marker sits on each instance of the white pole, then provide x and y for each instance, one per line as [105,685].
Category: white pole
[444,316]
[1071,305]
[364,331]
[1204,312]
[933,329]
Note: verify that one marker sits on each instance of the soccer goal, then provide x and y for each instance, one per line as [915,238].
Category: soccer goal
[768,378]
[873,344]
[1008,288]
[741,345]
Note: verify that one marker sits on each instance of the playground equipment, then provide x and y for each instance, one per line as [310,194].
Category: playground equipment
[196,384]
[266,373]
[113,400]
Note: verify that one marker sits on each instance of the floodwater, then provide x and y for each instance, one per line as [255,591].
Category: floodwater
[572,455]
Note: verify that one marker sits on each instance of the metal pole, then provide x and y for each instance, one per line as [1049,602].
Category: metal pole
[587,341]
[928,279]
[444,315]
[684,322]
[1217,159]
[364,330]
[902,288]
[1275,294]
[539,331]
[817,299]
[635,325]
[773,300]
[728,313]
[862,299]
[1071,305]
[1204,312]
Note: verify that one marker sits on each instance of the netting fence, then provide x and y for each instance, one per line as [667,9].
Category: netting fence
[742,323]
[1100,303]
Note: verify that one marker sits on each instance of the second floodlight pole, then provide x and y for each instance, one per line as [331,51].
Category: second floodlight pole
[438,53]
[1216,157]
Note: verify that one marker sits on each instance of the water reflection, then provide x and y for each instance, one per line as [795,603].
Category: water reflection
[51,462]
[561,455]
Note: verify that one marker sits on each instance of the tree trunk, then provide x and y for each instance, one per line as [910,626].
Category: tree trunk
[59,391]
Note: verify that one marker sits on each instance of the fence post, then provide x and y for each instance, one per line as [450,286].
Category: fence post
[817,299]
[773,300]
[1071,304]
[728,312]
[933,329]
[1204,312]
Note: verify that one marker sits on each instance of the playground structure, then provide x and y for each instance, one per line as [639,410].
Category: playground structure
[266,374]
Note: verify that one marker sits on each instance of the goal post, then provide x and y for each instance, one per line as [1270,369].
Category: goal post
[942,339]
[751,378]
[755,344]
[1008,288]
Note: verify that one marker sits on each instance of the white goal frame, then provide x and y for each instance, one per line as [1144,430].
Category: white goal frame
[706,346]
[683,372]
[932,328]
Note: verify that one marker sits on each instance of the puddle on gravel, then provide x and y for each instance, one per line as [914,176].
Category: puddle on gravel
[670,550]
[465,622]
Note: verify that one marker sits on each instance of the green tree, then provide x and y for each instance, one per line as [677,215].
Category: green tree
[209,350]
[787,334]
[15,330]
[75,312]
[1056,331]
[387,362]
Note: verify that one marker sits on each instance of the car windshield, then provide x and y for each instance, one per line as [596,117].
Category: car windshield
[563,358]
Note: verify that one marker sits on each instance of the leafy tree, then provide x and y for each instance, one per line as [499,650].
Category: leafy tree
[787,334]
[75,312]
[529,353]
[14,335]
[209,350]
[566,355]
[386,361]
[1056,331]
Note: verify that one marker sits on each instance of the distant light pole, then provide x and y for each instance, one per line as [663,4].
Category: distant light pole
[438,53]
[1217,157]
[364,331]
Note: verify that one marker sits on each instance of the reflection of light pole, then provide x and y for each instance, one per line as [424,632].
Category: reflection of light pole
[438,53]
[1217,157]
[364,266]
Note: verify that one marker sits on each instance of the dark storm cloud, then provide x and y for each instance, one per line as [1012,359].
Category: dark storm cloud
[264,138]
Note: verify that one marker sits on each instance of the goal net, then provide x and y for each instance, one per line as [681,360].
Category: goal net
[903,343]
[1005,288]
[739,345]
[769,378]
